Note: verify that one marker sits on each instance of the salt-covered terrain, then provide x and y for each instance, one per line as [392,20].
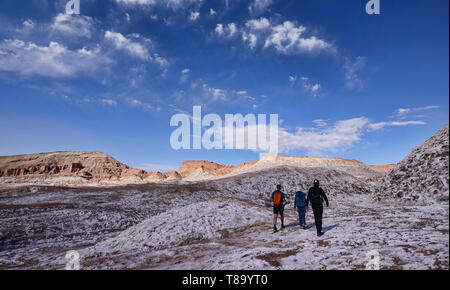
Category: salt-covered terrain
[221,224]
[423,176]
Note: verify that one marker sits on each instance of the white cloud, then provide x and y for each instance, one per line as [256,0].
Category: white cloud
[320,123]
[351,69]
[251,38]
[108,102]
[287,38]
[214,94]
[54,60]
[292,79]
[28,24]
[139,104]
[332,139]
[226,31]
[219,29]
[315,88]
[184,75]
[194,16]
[259,6]
[131,47]
[73,25]
[258,24]
[310,87]
[403,112]
[232,29]
[212,12]
[319,140]
[173,4]
[381,125]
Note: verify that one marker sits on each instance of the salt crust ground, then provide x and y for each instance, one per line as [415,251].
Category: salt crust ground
[221,224]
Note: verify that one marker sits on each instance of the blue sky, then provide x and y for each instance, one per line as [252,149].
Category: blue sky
[344,83]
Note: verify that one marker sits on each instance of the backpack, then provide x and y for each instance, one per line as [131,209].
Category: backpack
[316,196]
[277,198]
[300,200]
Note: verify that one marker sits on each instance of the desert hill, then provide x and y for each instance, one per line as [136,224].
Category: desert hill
[423,176]
[88,165]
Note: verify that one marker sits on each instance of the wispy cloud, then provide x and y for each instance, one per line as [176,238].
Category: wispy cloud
[352,70]
[129,45]
[172,4]
[311,87]
[73,25]
[139,104]
[108,102]
[381,125]
[404,112]
[54,60]
[324,139]
[184,75]
[259,6]
[194,16]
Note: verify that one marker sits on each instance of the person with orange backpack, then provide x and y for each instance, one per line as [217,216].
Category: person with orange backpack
[278,198]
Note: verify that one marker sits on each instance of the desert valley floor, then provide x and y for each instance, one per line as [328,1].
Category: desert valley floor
[195,226]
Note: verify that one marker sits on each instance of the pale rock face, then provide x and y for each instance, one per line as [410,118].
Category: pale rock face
[93,166]
[353,167]
[423,176]
[383,168]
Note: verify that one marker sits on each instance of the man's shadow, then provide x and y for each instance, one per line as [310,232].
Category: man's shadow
[311,225]
[329,228]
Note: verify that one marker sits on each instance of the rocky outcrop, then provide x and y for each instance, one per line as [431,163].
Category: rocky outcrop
[205,168]
[89,165]
[173,175]
[383,168]
[423,176]
[353,167]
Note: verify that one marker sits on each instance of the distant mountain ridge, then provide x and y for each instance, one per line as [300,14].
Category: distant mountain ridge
[98,167]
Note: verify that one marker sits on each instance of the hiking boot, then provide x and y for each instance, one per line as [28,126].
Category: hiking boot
[282,226]
[320,234]
[275,229]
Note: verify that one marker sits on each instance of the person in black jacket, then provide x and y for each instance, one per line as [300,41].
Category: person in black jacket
[316,196]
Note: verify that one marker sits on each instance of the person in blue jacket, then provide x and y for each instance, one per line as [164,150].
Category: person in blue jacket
[300,205]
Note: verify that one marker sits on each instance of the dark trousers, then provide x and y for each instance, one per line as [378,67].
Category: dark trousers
[318,211]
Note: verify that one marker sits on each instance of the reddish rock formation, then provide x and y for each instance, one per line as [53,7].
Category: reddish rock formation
[383,168]
[90,165]
[206,167]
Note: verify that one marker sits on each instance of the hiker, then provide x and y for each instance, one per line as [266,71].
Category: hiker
[316,195]
[278,207]
[300,205]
